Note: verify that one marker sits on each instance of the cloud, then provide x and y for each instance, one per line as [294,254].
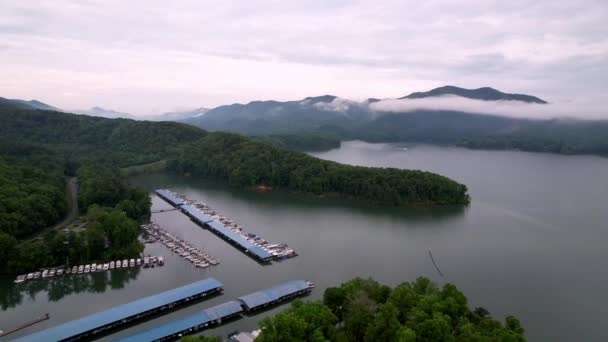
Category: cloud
[336,105]
[577,108]
[148,55]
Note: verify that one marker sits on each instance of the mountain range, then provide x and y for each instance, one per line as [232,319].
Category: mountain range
[330,119]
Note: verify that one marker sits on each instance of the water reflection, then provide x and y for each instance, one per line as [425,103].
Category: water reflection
[12,294]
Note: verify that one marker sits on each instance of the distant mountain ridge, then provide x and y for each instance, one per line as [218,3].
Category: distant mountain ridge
[485,94]
[32,104]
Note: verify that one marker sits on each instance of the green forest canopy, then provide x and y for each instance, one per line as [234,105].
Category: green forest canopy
[246,163]
[365,310]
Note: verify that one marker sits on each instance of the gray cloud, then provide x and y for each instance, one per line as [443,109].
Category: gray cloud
[580,108]
[117,54]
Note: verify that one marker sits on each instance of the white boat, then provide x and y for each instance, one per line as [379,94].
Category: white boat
[106,267]
[118,264]
[80,269]
[52,273]
[45,273]
[125,263]
[20,279]
[29,276]
[132,262]
[93,267]
[75,269]
[138,261]
[59,271]
[161,261]
[111,265]
[87,268]
[36,275]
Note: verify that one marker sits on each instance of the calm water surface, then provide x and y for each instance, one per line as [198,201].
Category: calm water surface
[532,243]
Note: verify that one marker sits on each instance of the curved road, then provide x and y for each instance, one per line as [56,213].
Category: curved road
[72,189]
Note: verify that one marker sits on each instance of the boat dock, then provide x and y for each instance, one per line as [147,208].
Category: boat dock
[274,295]
[119,316]
[49,273]
[184,249]
[227,229]
[222,313]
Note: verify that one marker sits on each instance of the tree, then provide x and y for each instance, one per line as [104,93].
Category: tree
[385,325]
[282,328]
[334,298]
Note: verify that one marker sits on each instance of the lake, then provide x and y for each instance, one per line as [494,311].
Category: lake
[532,243]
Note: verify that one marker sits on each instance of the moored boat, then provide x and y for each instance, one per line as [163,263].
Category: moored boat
[20,279]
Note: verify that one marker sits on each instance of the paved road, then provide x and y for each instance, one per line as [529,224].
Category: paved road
[72,189]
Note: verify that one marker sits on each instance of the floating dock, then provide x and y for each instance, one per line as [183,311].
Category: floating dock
[219,314]
[274,295]
[218,228]
[190,324]
[90,326]
[167,196]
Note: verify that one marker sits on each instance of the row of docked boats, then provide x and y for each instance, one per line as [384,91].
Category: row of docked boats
[278,251]
[149,261]
[180,247]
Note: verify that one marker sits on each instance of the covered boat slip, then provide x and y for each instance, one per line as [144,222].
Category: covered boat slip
[190,324]
[275,294]
[91,325]
[243,243]
[167,196]
[218,314]
[195,214]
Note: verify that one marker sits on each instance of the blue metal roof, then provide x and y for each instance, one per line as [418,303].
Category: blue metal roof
[220,228]
[174,327]
[166,195]
[196,213]
[268,295]
[120,312]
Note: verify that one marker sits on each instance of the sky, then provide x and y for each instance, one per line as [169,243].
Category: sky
[147,57]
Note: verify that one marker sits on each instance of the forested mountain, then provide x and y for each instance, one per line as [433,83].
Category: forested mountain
[335,118]
[32,104]
[485,93]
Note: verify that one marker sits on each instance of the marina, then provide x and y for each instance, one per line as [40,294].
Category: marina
[223,313]
[228,229]
[120,316]
[179,246]
[48,273]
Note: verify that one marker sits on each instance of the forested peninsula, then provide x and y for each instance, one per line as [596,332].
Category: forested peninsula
[40,149]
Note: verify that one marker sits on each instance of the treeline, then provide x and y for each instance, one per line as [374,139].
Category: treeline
[553,136]
[80,138]
[365,310]
[32,191]
[302,141]
[246,163]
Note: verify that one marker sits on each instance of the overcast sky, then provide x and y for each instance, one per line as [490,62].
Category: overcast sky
[154,56]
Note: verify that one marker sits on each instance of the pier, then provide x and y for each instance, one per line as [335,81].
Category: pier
[222,313]
[23,326]
[228,230]
[91,326]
